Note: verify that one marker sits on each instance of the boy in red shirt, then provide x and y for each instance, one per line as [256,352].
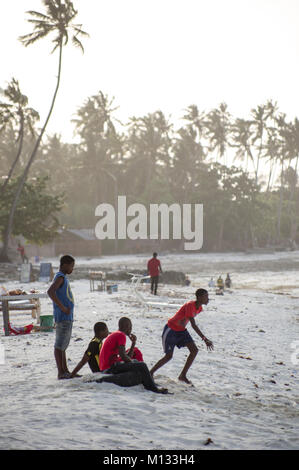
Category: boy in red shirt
[176,334]
[154,269]
[122,369]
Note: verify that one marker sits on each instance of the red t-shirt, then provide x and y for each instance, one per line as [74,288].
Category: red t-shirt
[179,321]
[109,350]
[153,267]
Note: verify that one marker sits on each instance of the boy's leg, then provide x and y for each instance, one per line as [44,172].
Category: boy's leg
[161,362]
[63,335]
[125,372]
[168,342]
[156,285]
[59,361]
[125,379]
[152,285]
[193,352]
[64,363]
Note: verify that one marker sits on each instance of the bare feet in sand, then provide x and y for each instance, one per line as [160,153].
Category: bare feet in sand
[163,390]
[183,378]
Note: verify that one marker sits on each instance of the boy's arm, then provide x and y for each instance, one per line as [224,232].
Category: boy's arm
[79,366]
[209,343]
[131,351]
[160,267]
[52,294]
[123,355]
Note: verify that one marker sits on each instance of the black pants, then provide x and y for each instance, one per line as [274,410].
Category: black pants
[154,284]
[127,374]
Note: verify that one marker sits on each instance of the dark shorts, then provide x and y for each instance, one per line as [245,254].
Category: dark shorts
[171,338]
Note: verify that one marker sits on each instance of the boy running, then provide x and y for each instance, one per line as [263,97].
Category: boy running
[63,304]
[176,334]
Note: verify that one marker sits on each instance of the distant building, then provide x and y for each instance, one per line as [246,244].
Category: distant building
[77,242]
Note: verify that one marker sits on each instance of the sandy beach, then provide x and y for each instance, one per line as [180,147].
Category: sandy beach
[245,393]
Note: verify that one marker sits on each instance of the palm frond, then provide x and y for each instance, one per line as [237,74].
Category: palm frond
[79,31]
[31,38]
[77,43]
[38,15]
[58,18]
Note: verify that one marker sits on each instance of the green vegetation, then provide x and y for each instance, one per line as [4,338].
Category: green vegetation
[243,171]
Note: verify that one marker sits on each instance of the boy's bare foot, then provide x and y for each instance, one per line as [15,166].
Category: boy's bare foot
[183,378]
[162,390]
[65,375]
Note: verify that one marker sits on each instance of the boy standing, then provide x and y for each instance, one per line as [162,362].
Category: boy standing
[63,304]
[154,269]
[176,334]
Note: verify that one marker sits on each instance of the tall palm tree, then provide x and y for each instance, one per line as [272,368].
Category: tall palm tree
[241,133]
[101,143]
[261,119]
[219,127]
[282,127]
[57,19]
[14,111]
[149,145]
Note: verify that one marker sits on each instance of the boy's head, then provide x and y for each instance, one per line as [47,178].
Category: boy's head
[100,330]
[202,296]
[155,255]
[125,325]
[67,263]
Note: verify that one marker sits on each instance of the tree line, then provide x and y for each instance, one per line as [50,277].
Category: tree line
[243,170]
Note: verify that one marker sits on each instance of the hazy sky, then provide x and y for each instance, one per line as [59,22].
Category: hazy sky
[160,54]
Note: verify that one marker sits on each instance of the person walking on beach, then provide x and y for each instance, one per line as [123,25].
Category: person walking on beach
[122,370]
[176,334]
[21,250]
[154,269]
[63,305]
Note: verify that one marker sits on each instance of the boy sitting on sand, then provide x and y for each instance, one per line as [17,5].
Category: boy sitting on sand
[176,334]
[92,353]
[118,364]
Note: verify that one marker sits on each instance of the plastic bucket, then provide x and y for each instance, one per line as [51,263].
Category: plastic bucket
[46,322]
[112,288]
[109,289]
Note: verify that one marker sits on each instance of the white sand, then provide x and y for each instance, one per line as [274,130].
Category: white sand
[246,390]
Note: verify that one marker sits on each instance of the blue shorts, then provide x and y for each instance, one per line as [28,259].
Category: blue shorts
[63,334]
[172,338]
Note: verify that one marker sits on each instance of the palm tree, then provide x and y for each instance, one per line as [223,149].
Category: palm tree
[282,127]
[260,121]
[149,145]
[241,133]
[102,144]
[58,19]
[219,127]
[16,112]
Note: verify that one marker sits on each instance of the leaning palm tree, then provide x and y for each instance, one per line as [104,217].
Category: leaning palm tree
[14,111]
[57,20]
